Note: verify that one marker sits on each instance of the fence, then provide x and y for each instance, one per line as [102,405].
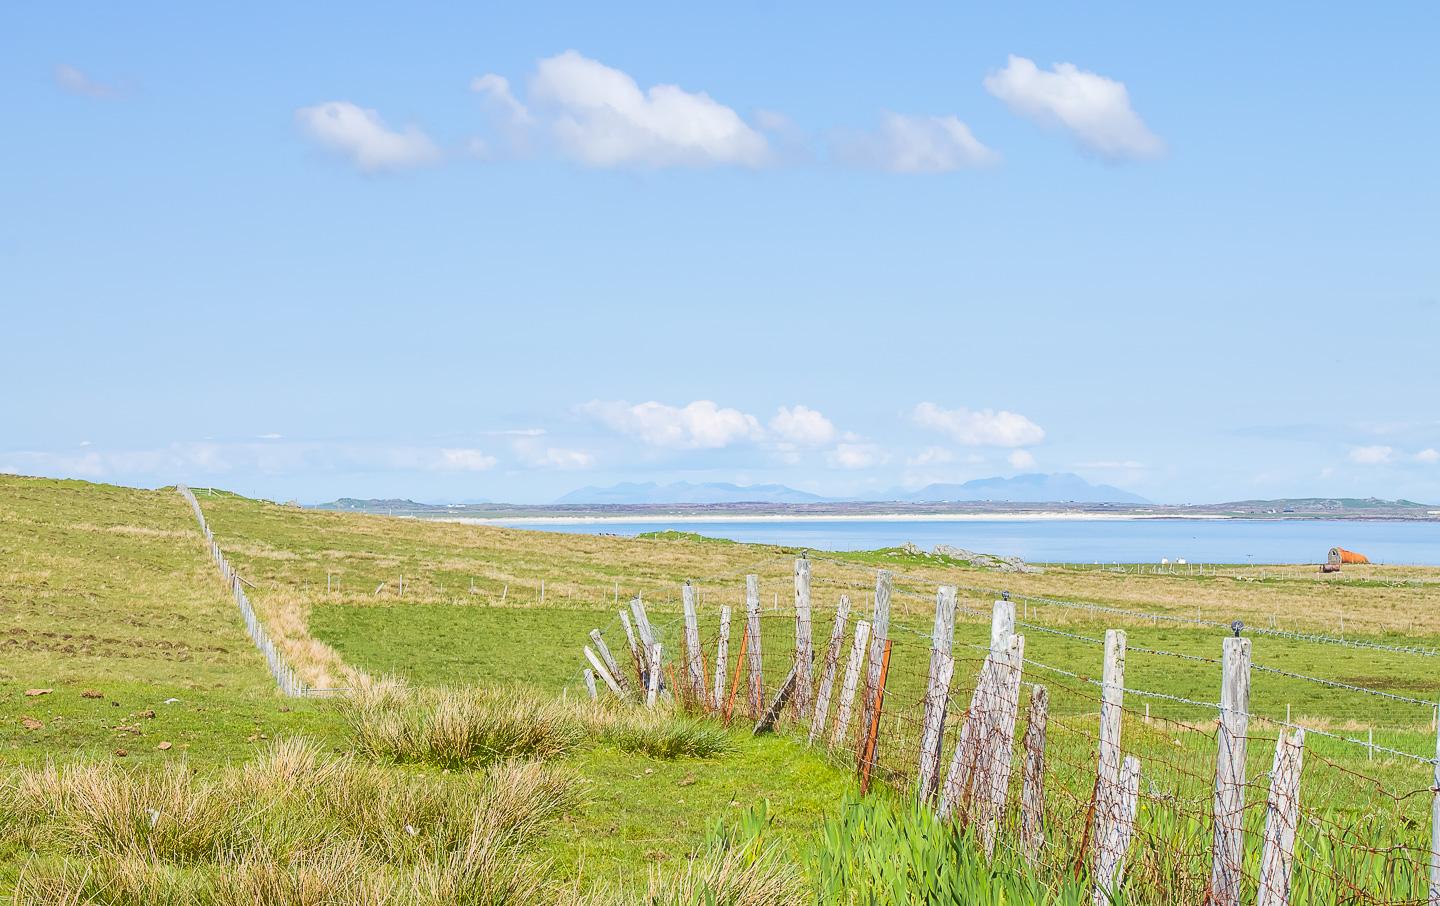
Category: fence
[1156,795]
[285,677]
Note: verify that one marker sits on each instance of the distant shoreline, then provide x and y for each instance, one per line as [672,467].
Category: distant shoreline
[520,521]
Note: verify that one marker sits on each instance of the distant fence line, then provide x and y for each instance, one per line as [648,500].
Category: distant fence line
[290,684]
[879,698]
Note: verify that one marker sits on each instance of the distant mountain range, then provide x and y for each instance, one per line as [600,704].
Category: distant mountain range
[1061,487]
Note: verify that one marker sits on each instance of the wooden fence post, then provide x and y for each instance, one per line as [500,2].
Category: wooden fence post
[654,675]
[757,662]
[1225,872]
[872,737]
[635,655]
[832,666]
[1107,780]
[772,714]
[852,680]
[1435,826]
[722,657]
[695,671]
[937,691]
[646,631]
[804,646]
[967,762]
[879,633]
[994,791]
[1032,795]
[1282,813]
[590,684]
[609,660]
[1116,841]
[599,666]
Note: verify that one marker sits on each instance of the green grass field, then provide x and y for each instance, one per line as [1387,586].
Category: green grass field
[107,592]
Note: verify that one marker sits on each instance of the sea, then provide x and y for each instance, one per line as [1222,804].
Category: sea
[1063,540]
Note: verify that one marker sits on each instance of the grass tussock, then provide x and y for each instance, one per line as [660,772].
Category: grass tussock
[295,826]
[476,727]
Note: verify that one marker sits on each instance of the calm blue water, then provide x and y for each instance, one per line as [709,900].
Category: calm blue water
[1075,541]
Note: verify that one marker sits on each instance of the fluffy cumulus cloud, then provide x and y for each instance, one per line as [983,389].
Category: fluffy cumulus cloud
[803,426]
[359,134]
[76,82]
[1429,456]
[1095,109]
[698,425]
[1376,455]
[979,427]
[601,117]
[917,144]
[856,456]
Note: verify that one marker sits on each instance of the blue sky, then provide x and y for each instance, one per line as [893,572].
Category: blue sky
[457,252]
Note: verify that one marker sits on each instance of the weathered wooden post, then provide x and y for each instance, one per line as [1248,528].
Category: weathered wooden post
[777,707]
[967,763]
[937,691]
[832,666]
[1282,812]
[852,681]
[1116,840]
[1228,851]
[654,675]
[804,647]
[1435,827]
[879,633]
[694,670]
[722,657]
[609,660]
[757,662]
[599,666]
[994,791]
[590,684]
[1107,781]
[646,631]
[1032,795]
[640,672]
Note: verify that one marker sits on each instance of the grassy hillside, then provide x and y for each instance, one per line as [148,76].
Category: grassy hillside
[108,589]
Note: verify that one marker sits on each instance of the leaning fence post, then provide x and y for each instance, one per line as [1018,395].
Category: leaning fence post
[609,660]
[879,632]
[852,680]
[599,666]
[695,671]
[646,631]
[757,663]
[1032,795]
[640,671]
[1228,852]
[804,646]
[1281,814]
[867,756]
[937,691]
[722,657]
[590,684]
[832,665]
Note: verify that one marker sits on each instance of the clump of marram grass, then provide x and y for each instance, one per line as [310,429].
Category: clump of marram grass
[296,826]
[453,728]
[754,874]
[660,734]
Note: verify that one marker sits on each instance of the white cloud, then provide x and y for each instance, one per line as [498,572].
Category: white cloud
[918,144]
[1094,108]
[698,425]
[1372,456]
[361,135]
[465,460]
[856,456]
[979,427]
[802,425]
[77,82]
[540,457]
[496,89]
[1428,455]
[601,117]
[1021,460]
